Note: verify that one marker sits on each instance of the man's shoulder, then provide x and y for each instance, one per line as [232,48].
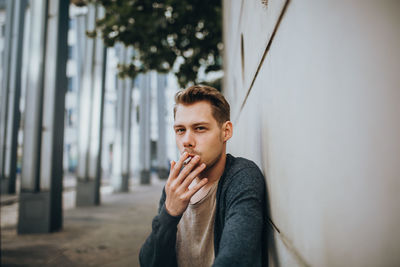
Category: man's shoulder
[238,168]
[239,162]
[236,165]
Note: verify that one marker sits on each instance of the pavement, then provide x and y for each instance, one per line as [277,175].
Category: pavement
[107,235]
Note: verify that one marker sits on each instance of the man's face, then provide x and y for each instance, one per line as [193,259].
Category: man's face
[198,133]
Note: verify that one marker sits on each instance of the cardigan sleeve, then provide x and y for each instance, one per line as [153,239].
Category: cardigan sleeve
[159,247]
[241,238]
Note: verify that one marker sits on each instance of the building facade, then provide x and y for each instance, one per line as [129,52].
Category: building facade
[314,90]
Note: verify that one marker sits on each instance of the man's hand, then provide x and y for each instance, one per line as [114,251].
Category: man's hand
[176,188]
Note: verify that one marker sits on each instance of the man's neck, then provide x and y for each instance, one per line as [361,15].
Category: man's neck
[214,174]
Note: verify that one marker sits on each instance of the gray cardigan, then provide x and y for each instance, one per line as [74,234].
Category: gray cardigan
[240,221]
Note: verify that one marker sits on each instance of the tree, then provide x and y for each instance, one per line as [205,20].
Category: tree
[181,36]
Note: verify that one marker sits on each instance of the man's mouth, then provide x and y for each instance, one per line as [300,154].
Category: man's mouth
[191,155]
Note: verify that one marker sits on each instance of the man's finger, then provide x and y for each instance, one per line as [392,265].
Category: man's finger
[187,169]
[189,179]
[173,163]
[171,169]
[178,165]
[196,188]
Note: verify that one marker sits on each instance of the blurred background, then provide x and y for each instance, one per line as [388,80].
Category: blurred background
[86,122]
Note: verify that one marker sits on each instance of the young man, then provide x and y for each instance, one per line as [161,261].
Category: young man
[212,209]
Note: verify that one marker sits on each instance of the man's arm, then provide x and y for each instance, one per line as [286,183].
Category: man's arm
[242,234]
[159,248]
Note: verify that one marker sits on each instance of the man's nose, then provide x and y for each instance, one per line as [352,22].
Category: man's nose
[188,139]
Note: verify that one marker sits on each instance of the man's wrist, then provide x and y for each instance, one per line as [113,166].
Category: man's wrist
[172,213]
[168,219]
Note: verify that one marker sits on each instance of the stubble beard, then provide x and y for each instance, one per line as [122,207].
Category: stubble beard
[209,167]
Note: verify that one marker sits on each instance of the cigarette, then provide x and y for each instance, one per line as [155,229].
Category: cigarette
[187,161]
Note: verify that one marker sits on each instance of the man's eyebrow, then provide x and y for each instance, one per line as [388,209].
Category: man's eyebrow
[200,123]
[193,124]
[178,125]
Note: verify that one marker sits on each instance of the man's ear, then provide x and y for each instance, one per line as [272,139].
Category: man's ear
[227,130]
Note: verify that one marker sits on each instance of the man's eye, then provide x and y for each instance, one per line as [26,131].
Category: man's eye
[179,131]
[200,128]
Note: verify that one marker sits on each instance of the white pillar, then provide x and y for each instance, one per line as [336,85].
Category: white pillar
[79,49]
[9,139]
[40,203]
[144,124]
[121,161]
[91,116]
[4,91]
[34,92]
[162,160]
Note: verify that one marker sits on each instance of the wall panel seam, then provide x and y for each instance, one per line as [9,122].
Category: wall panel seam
[263,57]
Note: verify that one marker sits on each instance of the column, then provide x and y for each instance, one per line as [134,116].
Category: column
[4,92]
[144,124]
[14,114]
[91,116]
[126,138]
[122,144]
[162,160]
[40,201]
[79,49]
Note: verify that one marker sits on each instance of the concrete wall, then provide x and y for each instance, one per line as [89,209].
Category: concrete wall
[321,118]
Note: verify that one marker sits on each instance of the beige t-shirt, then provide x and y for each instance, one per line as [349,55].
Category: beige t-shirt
[195,236]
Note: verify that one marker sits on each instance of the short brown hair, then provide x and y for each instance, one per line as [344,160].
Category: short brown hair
[220,107]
